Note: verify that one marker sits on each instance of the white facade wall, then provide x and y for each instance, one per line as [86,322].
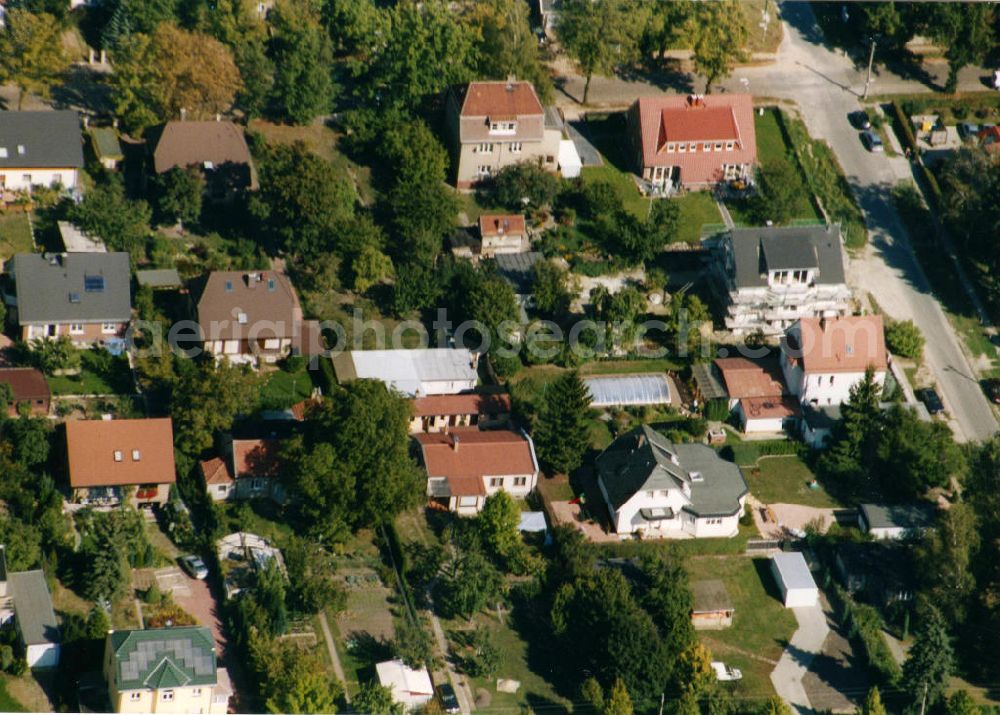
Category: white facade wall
[23,179]
[446,387]
[832,388]
[765,424]
[628,519]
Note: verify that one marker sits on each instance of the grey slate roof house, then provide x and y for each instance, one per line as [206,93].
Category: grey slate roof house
[658,488]
[895,521]
[25,598]
[772,277]
[40,149]
[85,296]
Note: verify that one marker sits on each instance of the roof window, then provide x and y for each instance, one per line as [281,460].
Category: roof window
[20,149]
[242,318]
[74,297]
[136,455]
[3,152]
[229,286]
[119,455]
[697,477]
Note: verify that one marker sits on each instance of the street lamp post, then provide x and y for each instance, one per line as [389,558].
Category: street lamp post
[871,60]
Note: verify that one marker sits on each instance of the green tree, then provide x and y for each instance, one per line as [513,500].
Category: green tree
[593,694]
[107,213]
[429,48]
[468,585]
[945,559]
[23,544]
[497,525]
[719,37]
[911,455]
[779,193]
[107,574]
[930,660]
[904,338]
[524,184]
[178,193]
[487,657]
[561,432]
[665,27]
[269,595]
[370,266]
[303,200]
[618,702]
[31,52]
[207,399]
[855,437]
[493,303]
[506,46]
[302,55]
[694,669]
[375,699]
[959,703]
[600,35]
[50,355]
[257,70]
[29,437]
[668,600]
[551,288]
[967,31]
[158,75]
[873,704]
[413,644]
[358,28]
[312,580]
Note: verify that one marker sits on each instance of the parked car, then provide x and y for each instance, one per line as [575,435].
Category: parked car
[449,702]
[931,400]
[193,566]
[992,389]
[872,141]
[726,672]
[968,129]
[860,119]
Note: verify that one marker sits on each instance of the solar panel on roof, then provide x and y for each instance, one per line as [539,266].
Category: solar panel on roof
[93,284]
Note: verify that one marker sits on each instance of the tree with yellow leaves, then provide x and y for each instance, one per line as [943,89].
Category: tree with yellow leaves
[31,52]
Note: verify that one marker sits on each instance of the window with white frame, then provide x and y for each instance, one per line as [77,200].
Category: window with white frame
[168,695]
[119,455]
[515,147]
[503,127]
[484,170]
[496,481]
[134,696]
[670,147]
[520,481]
[468,501]
[729,146]
[109,328]
[682,148]
[484,149]
[718,146]
[707,146]
[196,692]
[75,329]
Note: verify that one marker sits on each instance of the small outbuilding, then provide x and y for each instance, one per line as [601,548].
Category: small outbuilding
[795,581]
[410,688]
[713,608]
[895,522]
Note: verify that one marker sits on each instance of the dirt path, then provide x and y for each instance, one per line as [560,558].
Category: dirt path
[334,657]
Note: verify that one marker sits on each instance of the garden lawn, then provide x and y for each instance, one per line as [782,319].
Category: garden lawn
[98,376]
[698,209]
[283,388]
[785,480]
[761,624]
[15,234]
[535,692]
[7,702]
[632,200]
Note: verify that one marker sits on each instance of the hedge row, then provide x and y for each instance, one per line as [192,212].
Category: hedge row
[904,130]
[864,623]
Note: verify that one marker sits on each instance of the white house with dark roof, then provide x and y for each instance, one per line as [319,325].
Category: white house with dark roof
[771,277]
[896,521]
[657,488]
[40,149]
[25,600]
[83,296]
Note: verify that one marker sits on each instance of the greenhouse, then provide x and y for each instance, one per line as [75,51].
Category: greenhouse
[623,390]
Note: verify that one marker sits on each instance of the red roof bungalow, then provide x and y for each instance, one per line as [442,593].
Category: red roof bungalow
[250,470]
[27,387]
[758,394]
[693,141]
[439,413]
[465,466]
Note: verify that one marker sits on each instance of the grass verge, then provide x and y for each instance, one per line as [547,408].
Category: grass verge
[7,703]
[786,480]
[100,374]
[15,234]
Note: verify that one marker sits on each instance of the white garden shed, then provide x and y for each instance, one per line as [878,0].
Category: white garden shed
[798,589]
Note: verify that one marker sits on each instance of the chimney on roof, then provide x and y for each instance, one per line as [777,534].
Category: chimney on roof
[822,324]
[454,442]
[253,278]
[696,100]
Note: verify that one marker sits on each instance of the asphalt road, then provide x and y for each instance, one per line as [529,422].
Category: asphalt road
[827,85]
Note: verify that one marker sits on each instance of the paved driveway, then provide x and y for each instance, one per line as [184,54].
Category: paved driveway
[806,644]
[196,598]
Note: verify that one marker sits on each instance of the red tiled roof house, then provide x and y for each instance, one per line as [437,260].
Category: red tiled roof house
[693,141]
[464,466]
[823,358]
[108,459]
[439,413]
[496,124]
[250,469]
[758,394]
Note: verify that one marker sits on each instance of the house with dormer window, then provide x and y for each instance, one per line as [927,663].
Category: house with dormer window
[110,461]
[771,277]
[822,359]
[496,124]
[83,296]
[658,489]
[694,141]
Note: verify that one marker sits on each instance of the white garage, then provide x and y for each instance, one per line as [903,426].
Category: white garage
[798,589]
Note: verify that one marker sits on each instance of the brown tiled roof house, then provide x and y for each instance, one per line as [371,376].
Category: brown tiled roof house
[249,469]
[28,387]
[252,315]
[218,149]
[438,413]
[107,456]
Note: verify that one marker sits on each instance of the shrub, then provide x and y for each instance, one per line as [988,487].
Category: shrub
[903,128]
[904,338]
[717,410]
